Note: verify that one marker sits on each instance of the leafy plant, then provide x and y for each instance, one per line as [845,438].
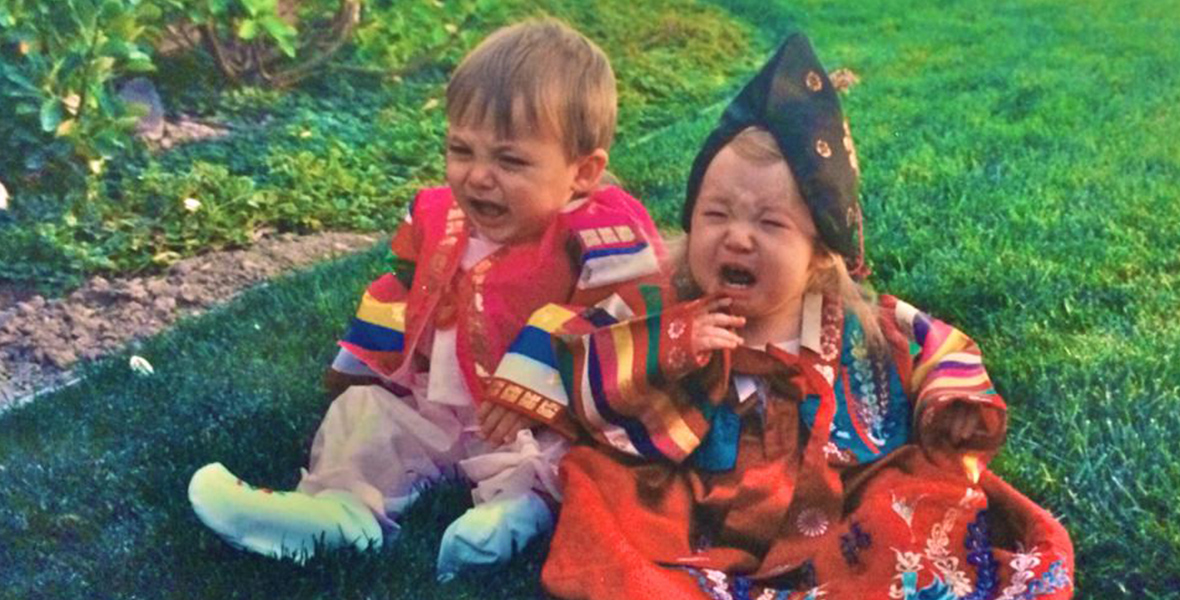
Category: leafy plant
[272,42]
[57,63]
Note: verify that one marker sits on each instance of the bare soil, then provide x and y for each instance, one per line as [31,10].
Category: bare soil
[42,340]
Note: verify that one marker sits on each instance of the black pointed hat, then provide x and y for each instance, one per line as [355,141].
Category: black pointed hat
[793,99]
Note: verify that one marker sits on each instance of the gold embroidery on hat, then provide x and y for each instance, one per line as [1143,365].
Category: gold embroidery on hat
[814,82]
[822,148]
[850,148]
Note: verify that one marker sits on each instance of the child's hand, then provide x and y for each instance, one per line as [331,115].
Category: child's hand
[953,436]
[958,425]
[714,329]
[499,425]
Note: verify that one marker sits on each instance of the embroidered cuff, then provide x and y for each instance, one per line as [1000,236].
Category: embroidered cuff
[531,404]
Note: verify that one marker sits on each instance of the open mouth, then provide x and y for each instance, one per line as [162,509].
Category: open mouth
[738,277]
[487,210]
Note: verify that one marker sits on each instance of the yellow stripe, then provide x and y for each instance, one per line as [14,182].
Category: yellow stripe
[550,317]
[662,419]
[386,314]
[682,435]
[952,343]
[660,413]
[625,355]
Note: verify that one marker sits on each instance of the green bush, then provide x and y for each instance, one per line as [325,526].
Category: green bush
[57,63]
[347,150]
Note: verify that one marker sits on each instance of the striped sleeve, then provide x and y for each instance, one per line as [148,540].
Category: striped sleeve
[611,377]
[947,367]
[376,335]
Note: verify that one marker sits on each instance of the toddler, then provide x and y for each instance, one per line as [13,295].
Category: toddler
[769,428]
[522,222]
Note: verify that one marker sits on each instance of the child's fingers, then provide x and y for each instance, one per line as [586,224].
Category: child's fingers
[489,416]
[722,320]
[720,340]
[718,304]
[481,411]
[507,427]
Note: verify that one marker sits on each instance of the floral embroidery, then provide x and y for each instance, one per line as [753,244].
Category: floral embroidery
[722,586]
[850,149]
[676,329]
[677,358]
[853,542]
[837,455]
[904,508]
[829,338]
[1024,584]
[812,522]
[955,582]
[814,83]
[940,556]
[822,148]
[979,553]
[908,565]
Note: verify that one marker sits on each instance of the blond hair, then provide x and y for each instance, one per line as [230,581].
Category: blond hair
[830,279]
[544,72]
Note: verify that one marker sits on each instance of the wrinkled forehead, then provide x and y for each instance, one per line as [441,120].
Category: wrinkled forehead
[735,182]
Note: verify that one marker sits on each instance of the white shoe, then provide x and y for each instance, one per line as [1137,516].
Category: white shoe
[492,533]
[280,524]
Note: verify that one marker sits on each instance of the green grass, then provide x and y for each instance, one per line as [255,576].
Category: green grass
[1020,180]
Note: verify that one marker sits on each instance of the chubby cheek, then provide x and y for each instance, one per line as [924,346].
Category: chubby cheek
[701,264]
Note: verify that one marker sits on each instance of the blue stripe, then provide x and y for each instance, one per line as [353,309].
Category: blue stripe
[614,251]
[374,337]
[535,344]
[635,430]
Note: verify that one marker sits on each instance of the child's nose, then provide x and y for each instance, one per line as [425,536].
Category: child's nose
[739,237]
[480,176]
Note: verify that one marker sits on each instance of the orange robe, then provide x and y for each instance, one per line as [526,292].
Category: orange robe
[769,474]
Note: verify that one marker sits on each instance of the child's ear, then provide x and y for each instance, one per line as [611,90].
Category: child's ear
[588,171]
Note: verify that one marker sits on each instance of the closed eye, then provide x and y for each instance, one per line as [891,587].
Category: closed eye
[513,161]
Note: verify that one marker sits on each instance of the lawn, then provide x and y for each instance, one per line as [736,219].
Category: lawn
[1021,180]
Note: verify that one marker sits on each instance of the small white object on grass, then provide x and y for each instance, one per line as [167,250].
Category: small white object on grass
[3,196]
[141,366]
[192,204]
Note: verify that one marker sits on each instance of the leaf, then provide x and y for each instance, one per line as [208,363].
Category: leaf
[51,113]
[111,9]
[15,77]
[282,32]
[260,7]
[248,29]
[141,66]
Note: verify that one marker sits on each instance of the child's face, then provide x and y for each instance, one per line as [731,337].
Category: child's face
[753,239]
[512,188]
